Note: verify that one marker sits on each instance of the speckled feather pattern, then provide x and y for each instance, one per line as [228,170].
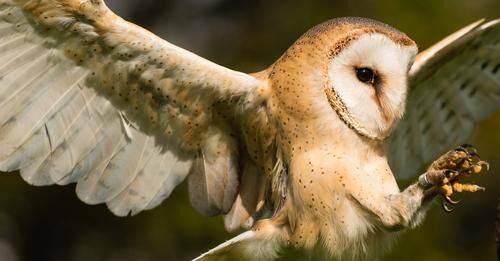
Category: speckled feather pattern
[155,102]
[295,154]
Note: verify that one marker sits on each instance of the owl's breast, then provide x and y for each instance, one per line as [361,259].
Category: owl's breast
[321,206]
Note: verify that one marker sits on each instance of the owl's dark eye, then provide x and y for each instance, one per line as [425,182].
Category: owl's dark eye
[365,75]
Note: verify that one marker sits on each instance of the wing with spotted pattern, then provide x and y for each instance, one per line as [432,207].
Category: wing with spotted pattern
[88,98]
[453,85]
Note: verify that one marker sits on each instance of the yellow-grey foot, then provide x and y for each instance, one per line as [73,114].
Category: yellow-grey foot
[445,174]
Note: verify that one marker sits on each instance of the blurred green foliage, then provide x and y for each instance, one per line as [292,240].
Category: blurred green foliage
[52,224]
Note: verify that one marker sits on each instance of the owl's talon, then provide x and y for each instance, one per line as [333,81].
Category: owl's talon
[483,163]
[446,208]
[448,170]
[451,201]
[467,148]
[474,155]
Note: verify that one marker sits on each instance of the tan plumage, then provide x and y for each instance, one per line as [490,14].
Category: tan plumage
[295,154]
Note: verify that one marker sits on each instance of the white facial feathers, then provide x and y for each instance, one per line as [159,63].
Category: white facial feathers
[373,107]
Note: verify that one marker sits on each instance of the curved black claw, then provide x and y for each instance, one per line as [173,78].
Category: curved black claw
[474,154]
[467,148]
[451,201]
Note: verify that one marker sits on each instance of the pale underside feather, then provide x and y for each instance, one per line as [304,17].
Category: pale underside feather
[249,201]
[109,108]
[263,243]
[223,251]
[213,183]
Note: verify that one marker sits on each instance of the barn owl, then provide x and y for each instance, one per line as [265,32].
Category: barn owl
[300,155]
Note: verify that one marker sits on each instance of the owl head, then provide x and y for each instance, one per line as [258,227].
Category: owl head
[356,67]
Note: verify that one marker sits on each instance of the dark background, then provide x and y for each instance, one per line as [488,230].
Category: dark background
[248,35]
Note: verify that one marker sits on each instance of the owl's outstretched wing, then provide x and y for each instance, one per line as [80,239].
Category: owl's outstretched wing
[453,85]
[87,97]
